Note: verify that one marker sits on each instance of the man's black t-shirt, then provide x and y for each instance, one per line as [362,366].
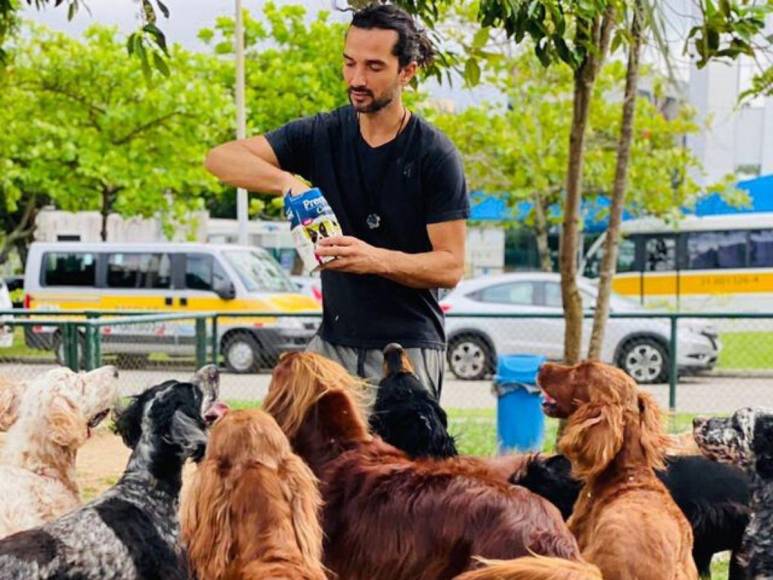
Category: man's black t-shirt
[422,184]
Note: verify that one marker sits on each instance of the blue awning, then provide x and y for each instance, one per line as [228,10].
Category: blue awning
[595,215]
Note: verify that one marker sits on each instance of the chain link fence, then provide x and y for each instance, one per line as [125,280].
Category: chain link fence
[713,363]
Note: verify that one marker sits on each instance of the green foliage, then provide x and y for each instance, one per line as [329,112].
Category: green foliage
[522,149]
[148,43]
[107,137]
[729,30]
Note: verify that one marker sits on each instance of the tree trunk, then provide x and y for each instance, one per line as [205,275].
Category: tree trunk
[108,196]
[609,260]
[20,234]
[541,233]
[584,80]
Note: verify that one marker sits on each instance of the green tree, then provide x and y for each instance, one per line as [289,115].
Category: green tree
[148,42]
[520,152]
[107,140]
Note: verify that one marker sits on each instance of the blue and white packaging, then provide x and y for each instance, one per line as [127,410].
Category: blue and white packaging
[311,219]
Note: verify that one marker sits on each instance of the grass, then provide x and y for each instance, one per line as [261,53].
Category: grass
[746,350]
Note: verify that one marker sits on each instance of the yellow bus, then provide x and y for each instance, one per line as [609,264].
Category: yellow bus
[721,263]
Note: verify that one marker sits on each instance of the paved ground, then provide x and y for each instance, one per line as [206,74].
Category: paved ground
[702,394]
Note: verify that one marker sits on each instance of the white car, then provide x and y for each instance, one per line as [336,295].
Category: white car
[638,346]
[309,285]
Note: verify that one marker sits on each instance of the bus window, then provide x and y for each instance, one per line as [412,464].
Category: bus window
[660,254]
[761,249]
[72,269]
[712,250]
[626,259]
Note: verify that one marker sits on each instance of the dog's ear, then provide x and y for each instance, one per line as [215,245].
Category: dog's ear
[653,438]
[763,446]
[592,438]
[69,428]
[127,422]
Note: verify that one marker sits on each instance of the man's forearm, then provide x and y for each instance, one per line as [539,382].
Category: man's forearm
[235,164]
[436,269]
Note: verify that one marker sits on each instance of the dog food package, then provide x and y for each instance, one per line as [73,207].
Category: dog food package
[311,219]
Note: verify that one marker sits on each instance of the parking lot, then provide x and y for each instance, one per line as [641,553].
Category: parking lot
[695,394]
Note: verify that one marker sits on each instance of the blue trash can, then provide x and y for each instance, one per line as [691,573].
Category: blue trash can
[520,421]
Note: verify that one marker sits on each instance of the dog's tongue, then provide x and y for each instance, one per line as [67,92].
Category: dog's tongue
[215,411]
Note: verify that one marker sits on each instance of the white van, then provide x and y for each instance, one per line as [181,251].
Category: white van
[171,277]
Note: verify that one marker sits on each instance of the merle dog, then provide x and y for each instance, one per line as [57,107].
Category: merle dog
[405,414]
[132,531]
[713,497]
[746,440]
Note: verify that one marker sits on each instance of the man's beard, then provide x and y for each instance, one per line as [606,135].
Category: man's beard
[375,104]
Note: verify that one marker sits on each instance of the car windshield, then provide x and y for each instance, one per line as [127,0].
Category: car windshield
[259,272]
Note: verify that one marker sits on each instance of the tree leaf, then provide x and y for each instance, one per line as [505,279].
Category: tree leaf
[472,71]
[481,38]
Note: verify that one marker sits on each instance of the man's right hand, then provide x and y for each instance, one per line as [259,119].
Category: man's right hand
[294,185]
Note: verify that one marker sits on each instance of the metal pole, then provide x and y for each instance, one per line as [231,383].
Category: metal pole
[201,342]
[215,340]
[673,374]
[241,125]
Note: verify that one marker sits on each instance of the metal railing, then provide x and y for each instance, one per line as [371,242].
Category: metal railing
[83,335]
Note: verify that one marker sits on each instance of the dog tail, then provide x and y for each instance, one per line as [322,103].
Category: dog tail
[533,568]
[396,360]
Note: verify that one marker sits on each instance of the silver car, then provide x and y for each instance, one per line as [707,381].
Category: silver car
[637,345]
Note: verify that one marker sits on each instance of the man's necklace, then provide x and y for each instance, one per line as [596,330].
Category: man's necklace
[373,220]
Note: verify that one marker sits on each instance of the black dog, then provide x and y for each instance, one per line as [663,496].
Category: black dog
[713,497]
[132,531]
[405,414]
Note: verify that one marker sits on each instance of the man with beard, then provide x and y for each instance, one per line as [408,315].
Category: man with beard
[397,187]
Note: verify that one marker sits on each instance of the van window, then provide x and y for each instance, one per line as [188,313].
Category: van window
[139,271]
[203,272]
[69,269]
[259,272]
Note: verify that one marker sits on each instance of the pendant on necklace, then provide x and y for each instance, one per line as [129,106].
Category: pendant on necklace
[373,221]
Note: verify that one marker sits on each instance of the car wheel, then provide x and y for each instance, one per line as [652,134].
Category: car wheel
[645,359]
[241,353]
[470,357]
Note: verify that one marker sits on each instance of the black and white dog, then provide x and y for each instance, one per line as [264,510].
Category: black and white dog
[746,440]
[132,531]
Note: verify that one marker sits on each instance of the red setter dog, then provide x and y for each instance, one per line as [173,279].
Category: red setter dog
[625,520]
[252,509]
[388,517]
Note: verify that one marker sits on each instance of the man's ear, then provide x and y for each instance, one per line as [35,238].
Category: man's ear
[407,73]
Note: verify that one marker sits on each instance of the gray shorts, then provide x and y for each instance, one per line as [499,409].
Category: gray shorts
[428,363]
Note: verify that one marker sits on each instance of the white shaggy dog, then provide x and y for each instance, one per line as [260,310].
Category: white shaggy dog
[10,396]
[56,414]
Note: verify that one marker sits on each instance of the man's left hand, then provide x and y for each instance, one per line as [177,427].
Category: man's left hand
[351,255]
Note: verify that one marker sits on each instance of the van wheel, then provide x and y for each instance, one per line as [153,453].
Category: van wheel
[645,359]
[241,353]
[58,345]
